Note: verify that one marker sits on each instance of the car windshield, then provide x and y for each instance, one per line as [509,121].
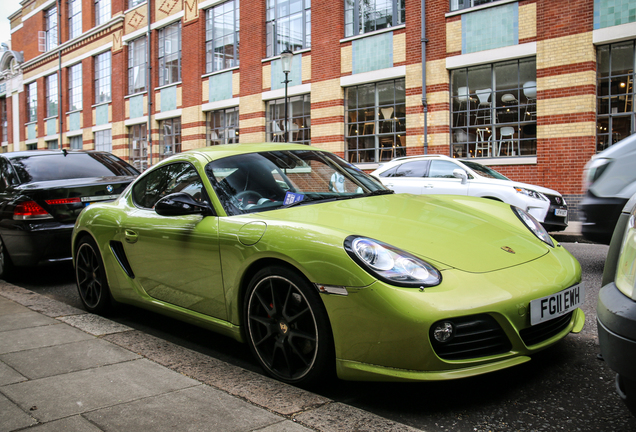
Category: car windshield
[484,171]
[263,181]
[45,167]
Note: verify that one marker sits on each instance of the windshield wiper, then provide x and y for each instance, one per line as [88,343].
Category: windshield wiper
[381,192]
[305,200]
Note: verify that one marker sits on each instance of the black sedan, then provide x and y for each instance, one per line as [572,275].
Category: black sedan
[41,194]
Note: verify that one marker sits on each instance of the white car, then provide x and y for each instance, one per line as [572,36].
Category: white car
[438,174]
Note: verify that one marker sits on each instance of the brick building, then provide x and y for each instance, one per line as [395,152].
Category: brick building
[531,87]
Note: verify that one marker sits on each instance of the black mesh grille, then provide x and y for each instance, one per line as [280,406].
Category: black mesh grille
[544,331]
[474,336]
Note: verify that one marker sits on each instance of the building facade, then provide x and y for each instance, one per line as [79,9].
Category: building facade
[533,88]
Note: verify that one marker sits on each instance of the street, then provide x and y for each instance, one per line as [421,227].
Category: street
[563,388]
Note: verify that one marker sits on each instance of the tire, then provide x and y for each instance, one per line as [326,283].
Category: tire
[287,327]
[90,275]
[6,266]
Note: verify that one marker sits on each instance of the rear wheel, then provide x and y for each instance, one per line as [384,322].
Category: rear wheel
[5,262]
[91,278]
[287,327]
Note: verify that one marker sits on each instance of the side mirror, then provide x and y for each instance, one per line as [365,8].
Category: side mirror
[460,174]
[181,204]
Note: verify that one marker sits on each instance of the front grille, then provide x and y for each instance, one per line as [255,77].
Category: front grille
[544,331]
[474,336]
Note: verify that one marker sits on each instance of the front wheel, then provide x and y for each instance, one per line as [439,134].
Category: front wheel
[91,278]
[288,328]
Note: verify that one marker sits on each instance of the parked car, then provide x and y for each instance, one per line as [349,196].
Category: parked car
[610,180]
[41,194]
[616,308]
[320,268]
[438,174]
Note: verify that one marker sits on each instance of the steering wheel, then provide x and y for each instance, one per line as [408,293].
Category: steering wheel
[247,197]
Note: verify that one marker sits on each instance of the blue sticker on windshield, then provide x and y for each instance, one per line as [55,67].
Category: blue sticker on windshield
[291,197]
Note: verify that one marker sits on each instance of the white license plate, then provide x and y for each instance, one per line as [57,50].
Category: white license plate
[556,305]
[560,212]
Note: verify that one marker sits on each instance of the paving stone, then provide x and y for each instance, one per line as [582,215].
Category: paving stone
[37,302]
[8,375]
[71,357]
[38,337]
[194,409]
[12,417]
[79,392]
[74,424]
[24,319]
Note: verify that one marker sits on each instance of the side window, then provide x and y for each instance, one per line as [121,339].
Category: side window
[442,169]
[173,178]
[390,172]
[412,169]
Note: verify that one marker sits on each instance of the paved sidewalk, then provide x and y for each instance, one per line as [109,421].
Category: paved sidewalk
[62,369]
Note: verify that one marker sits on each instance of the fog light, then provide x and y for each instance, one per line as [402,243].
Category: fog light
[443,331]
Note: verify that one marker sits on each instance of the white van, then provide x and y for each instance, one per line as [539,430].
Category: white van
[610,181]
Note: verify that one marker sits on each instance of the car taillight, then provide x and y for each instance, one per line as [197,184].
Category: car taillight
[63,201]
[30,210]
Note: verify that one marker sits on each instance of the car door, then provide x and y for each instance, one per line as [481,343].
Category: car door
[440,179]
[407,178]
[175,259]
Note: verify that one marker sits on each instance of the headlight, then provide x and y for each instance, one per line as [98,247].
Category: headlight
[626,268]
[533,225]
[390,264]
[594,169]
[530,193]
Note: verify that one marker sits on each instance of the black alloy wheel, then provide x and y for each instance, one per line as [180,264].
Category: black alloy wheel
[287,327]
[91,277]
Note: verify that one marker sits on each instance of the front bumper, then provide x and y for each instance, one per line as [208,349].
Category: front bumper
[599,217]
[616,321]
[383,332]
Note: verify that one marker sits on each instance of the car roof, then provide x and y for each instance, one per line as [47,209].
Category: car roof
[46,152]
[221,151]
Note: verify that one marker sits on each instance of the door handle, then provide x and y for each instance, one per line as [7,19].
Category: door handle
[389,185]
[428,186]
[131,236]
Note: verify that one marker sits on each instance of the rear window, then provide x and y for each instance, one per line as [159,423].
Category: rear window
[61,166]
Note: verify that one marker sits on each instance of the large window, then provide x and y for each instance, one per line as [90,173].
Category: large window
[137,65]
[222,36]
[464,4]
[170,54]
[102,11]
[170,137]
[102,77]
[138,143]
[615,91]
[76,142]
[32,101]
[75,87]
[222,127]
[297,127]
[375,128]
[104,140]
[493,110]
[74,18]
[51,95]
[364,16]
[288,25]
[50,28]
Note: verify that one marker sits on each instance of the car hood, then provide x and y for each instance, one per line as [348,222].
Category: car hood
[467,233]
[512,183]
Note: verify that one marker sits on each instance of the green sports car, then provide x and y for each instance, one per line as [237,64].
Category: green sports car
[321,269]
